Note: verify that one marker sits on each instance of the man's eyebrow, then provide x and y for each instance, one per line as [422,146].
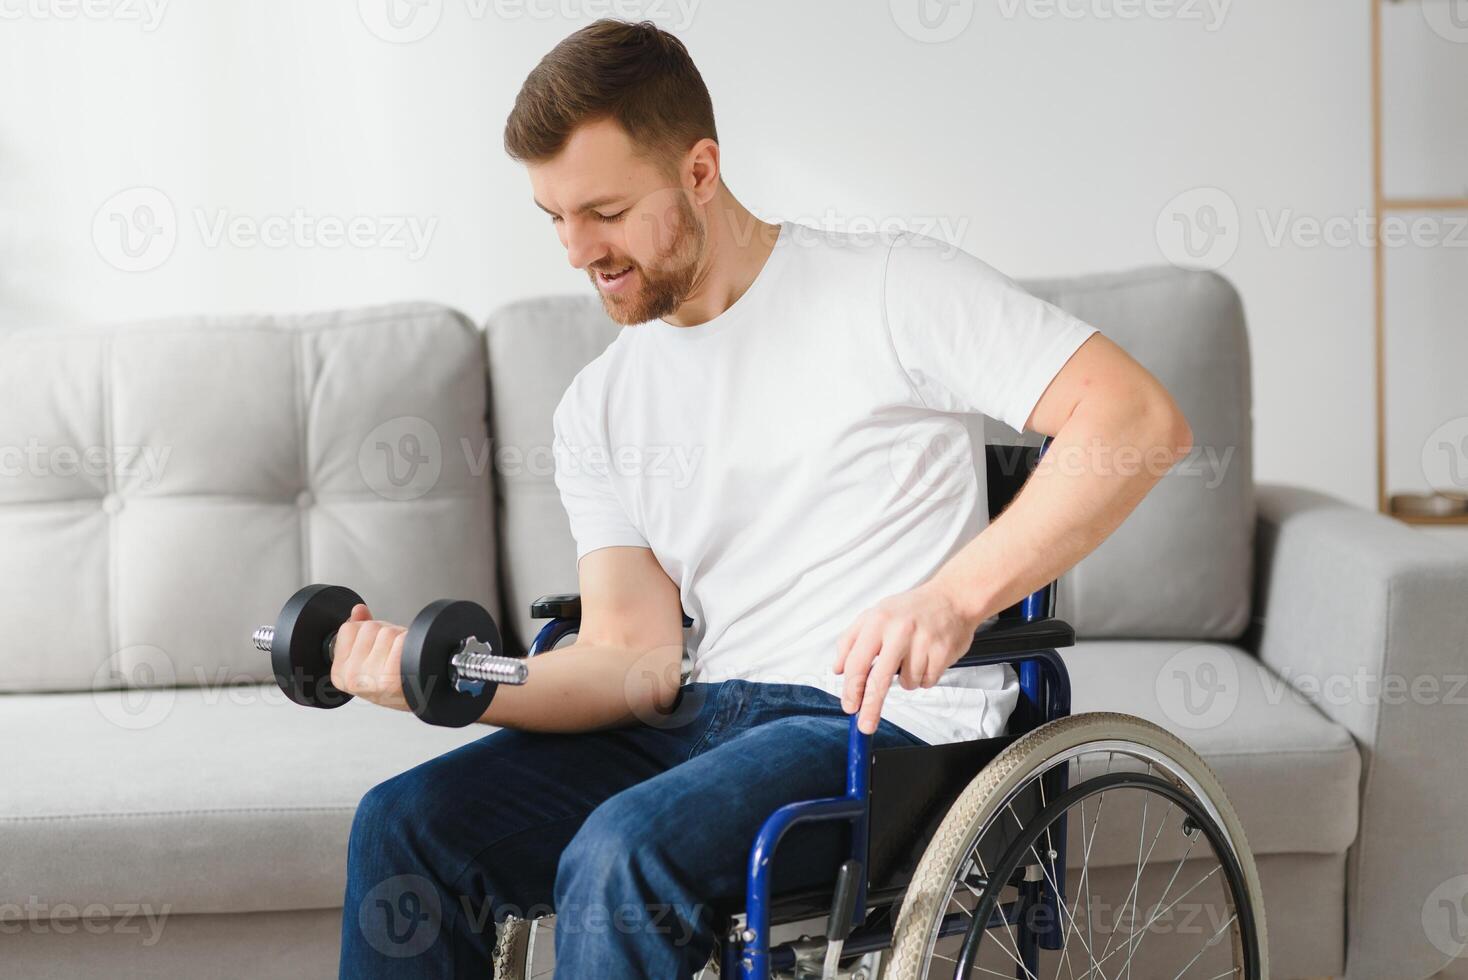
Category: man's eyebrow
[588,206]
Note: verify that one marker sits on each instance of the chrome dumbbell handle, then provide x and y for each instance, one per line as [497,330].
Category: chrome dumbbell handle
[475,660]
[264,638]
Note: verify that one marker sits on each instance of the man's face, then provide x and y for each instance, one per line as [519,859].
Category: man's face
[624,219]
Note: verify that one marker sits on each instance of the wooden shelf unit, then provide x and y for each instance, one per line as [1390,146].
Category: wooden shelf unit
[1382,204]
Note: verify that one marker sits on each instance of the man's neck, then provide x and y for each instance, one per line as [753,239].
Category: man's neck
[738,246]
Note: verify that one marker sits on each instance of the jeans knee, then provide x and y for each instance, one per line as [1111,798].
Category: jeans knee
[618,887]
[605,852]
[384,815]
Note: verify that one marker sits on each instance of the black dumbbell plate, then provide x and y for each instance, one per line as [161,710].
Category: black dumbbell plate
[298,654]
[433,638]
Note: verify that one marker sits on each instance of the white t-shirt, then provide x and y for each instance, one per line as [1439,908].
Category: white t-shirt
[803,454]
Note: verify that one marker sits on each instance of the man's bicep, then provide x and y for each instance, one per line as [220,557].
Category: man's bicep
[628,601]
[1098,369]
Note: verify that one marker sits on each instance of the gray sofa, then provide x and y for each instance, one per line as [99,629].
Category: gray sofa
[164,811]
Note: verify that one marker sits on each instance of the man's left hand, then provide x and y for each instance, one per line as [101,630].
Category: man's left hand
[913,636]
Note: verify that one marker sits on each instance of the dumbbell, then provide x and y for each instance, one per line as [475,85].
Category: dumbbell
[451,663]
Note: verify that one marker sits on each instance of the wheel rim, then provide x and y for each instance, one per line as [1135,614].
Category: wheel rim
[1172,803]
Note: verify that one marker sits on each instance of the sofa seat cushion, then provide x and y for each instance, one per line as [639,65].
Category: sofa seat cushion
[227,799]
[1292,774]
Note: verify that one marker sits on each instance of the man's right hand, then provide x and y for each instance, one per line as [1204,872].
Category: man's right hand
[367,659]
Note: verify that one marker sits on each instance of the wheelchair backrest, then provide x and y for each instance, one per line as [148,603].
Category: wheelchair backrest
[1006,468]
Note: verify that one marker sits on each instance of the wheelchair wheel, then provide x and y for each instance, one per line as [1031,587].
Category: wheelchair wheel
[513,943]
[1158,877]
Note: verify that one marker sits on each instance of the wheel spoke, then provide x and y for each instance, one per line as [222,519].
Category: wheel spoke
[1002,917]
[1175,872]
[1184,895]
[1136,881]
[1023,900]
[1205,946]
[1083,885]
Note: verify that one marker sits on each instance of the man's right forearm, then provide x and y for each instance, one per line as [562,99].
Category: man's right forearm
[588,686]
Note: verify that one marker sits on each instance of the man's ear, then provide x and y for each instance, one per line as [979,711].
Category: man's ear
[701,170]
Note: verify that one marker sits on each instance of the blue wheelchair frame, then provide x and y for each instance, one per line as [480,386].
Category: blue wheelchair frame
[1017,638]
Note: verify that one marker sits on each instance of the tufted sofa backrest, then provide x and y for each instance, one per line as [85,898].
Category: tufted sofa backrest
[1180,567]
[164,487]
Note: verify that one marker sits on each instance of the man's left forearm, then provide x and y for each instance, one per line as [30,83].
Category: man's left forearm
[1102,461]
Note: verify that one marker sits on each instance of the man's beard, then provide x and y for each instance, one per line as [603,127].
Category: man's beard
[660,293]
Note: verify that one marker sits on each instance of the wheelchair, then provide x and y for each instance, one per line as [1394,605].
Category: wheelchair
[1095,845]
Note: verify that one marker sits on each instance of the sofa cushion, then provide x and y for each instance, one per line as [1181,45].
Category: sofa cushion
[1147,580]
[164,487]
[1181,565]
[1292,774]
[535,349]
[227,799]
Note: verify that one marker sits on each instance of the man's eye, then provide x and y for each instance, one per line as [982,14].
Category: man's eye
[611,217]
[555,219]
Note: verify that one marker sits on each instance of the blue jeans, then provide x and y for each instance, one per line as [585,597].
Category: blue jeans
[633,836]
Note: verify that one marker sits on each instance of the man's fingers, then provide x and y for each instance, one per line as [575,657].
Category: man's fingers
[863,651]
[912,666]
[375,663]
[360,614]
[843,645]
[879,680]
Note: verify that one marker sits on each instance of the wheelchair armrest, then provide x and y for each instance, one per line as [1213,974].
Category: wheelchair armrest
[1001,641]
[564,605]
[567,605]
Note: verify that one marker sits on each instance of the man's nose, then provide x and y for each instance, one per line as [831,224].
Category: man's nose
[585,244]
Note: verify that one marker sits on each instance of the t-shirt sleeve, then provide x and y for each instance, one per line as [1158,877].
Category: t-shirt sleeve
[968,338]
[584,479]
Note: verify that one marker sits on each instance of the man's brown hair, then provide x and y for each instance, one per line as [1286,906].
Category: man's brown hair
[637,74]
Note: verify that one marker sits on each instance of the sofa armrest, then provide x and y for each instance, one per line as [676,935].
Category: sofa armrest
[1368,619]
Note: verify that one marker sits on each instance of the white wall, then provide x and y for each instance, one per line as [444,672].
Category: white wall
[1048,136]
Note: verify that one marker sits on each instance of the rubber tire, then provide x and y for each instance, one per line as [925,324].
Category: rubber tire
[974,807]
[511,949]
